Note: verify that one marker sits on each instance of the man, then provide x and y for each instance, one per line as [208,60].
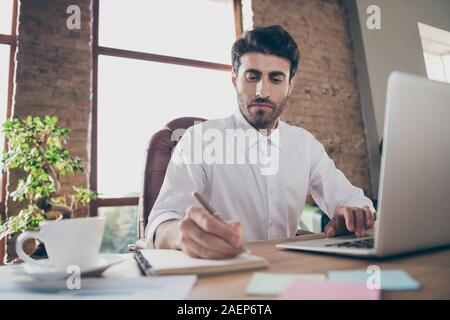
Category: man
[257,205]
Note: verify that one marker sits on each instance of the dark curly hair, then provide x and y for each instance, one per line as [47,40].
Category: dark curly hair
[274,40]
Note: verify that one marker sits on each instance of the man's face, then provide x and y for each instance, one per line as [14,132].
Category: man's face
[262,87]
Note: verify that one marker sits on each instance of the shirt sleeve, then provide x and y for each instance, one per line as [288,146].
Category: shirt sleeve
[183,175]
[328,185]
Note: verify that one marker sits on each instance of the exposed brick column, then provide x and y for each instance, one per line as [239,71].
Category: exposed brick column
[53,76]
[325,99]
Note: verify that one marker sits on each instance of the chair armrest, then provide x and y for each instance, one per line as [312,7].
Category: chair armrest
[140,244]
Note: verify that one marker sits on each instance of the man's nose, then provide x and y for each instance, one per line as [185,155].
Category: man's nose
[262,89]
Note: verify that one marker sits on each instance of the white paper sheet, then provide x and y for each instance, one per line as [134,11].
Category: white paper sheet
[130,285]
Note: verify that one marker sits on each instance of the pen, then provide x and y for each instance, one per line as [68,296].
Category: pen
[142,263]
[206,205]
[211,210]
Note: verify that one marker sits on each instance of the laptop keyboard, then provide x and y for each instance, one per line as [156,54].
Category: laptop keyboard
[360,244]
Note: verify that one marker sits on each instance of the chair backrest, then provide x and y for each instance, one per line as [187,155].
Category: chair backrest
[157,157]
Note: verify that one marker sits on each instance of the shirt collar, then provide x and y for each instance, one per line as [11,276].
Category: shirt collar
[275,136]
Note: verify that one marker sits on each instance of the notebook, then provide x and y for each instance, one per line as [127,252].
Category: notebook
[169,262]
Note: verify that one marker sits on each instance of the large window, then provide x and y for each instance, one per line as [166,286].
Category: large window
[8,14]
[4,76]
[436,51]
[153,62]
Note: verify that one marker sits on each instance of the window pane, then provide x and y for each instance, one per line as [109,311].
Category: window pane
[6,11]
[136,99]
[4,67]
[195,29]
[120,228]
[434,66]
[446,60]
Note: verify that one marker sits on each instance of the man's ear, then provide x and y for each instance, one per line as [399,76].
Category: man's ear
[234,77]
[291,86]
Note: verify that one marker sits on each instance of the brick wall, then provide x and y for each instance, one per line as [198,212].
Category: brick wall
[325,99]
[53,76]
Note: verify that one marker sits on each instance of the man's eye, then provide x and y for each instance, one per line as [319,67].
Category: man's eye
[251,77]
[277,79]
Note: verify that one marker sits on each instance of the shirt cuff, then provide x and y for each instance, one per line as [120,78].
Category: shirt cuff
[151,227]
[358,203]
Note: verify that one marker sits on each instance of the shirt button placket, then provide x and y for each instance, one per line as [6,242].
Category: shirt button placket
[271,202]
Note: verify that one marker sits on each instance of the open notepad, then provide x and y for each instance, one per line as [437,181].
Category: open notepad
[165,262]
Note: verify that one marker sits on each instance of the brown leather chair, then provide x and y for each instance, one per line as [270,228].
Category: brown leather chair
[157,157]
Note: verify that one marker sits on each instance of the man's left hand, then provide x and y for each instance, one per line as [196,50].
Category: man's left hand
[348,220]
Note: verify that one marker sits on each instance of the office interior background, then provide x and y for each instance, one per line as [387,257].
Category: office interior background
[132,66]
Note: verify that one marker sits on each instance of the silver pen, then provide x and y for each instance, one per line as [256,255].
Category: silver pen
[213,212]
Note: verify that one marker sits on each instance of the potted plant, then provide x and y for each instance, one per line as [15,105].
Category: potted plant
[36,146]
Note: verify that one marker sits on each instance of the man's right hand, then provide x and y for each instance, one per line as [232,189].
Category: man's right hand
[201,235]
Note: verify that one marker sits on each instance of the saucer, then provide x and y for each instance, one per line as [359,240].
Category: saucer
[49,273]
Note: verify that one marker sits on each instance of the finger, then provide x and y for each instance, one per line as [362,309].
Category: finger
[238,228]
[203,252]
[330,230]
[190,247]
[360,221]
[213,225]
[235,225]
[369,217]
[189,230]
[209,240]
[349,219]
[186,246]
[337,225]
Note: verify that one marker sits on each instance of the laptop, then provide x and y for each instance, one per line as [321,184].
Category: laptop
[414,191]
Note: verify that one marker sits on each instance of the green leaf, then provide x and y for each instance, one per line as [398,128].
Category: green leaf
[37,146]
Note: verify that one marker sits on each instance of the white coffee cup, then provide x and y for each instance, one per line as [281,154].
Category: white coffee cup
[67,242]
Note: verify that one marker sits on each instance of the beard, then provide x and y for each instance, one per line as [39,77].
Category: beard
[261,118]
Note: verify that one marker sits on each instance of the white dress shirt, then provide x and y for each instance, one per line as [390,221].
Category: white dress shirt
[268,203]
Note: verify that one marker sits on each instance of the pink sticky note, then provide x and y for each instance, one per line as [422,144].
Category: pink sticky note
[302,289]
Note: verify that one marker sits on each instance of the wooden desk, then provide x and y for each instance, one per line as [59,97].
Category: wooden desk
[431,269]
